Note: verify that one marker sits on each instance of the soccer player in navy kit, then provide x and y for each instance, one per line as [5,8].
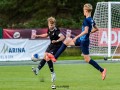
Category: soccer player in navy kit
[82,40]
[56,39]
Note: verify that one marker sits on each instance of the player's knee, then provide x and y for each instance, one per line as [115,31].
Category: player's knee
[46,57]
[87,59]
[65,42]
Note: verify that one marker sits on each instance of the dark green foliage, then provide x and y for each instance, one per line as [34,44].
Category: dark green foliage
[34,13]
[72,51]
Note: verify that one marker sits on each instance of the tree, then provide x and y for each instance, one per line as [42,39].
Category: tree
[34,13]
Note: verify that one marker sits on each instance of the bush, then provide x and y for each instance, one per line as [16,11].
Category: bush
[72,51]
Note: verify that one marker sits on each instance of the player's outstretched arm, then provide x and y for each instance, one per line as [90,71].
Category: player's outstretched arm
[42,35]
[82,33]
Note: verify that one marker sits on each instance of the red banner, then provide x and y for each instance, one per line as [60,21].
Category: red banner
[21,33]
[26,33]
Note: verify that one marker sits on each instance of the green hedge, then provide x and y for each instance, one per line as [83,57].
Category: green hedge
[72,51]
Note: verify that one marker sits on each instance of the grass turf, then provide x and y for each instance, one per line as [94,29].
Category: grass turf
[69,77]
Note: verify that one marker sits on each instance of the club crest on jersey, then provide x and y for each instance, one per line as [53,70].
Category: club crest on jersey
[53,34]
[92,21]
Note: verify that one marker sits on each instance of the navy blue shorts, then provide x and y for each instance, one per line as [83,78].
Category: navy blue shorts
[84,46]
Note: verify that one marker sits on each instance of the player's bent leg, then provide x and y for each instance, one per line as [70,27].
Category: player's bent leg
[67,42]
[94,64]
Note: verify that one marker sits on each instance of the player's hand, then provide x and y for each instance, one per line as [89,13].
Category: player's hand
[54,41]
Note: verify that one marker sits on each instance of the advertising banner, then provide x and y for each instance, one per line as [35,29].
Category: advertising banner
[21,49]
[21,33]
[103,37]
[26,33]
[18,44]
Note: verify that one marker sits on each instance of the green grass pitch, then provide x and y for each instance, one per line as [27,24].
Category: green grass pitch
[69,77]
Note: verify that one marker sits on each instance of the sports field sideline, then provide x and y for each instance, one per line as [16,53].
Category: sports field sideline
[5,63]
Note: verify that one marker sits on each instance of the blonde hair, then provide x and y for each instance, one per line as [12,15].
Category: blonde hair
[88,7]
[51,20]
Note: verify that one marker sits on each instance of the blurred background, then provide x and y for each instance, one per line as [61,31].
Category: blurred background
[34,13]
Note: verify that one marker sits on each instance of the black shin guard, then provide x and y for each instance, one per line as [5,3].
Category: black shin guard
[50,64]
[41,64]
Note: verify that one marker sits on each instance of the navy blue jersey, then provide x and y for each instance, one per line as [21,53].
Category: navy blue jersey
[89,22]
